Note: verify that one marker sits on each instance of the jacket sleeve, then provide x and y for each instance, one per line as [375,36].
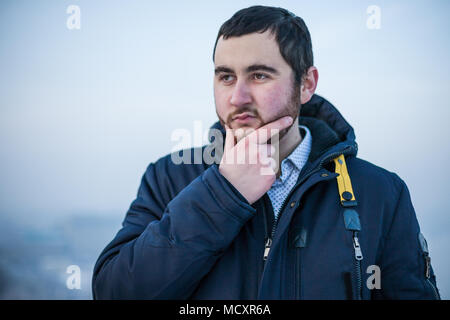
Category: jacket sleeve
[405,258]
[163,251]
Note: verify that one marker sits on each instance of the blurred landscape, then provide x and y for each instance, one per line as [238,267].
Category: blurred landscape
[34,256]
[33,261]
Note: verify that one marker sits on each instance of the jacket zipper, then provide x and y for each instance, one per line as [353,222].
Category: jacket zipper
[267,248]
[428,274]
[274,226]
[269,240]
[358,258]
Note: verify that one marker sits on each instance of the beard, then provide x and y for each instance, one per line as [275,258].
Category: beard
[291,108]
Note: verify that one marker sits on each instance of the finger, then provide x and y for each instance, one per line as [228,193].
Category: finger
[270,168]
[256,153]
[272,150]
[239,133]
[267,155]
[264,153]
[266,150]
[267,131]
[229,138]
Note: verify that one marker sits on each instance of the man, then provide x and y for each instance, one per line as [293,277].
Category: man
[311,227]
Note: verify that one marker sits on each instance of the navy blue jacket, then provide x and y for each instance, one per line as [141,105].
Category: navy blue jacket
[190,234]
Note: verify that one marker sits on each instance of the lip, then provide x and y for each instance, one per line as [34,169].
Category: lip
[243,117]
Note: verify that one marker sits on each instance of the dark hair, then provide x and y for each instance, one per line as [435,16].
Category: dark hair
[290,31]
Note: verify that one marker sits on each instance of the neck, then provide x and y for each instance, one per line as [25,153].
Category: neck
[287,144]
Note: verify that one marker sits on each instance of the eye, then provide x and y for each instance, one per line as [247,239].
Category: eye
[260,76]
[226,78]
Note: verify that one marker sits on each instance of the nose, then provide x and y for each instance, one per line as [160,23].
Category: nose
[241,94]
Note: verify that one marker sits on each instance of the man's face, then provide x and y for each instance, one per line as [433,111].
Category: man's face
[253,84]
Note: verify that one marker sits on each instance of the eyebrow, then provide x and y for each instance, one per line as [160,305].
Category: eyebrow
[252,68]
[222,69]
[261,67]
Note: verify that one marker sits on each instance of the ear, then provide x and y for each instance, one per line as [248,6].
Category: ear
[309,84]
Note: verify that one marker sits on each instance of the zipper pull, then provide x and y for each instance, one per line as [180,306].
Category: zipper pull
[427,266]
[267,249]
[358,252]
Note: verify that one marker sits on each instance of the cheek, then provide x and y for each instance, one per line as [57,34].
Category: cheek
[273,100]
[220,102]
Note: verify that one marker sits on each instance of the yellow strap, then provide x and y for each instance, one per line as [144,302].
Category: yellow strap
[343,179]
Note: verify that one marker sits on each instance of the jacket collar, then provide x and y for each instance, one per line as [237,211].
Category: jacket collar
[328,127]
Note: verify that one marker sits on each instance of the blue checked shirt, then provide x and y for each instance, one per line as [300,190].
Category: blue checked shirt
[290,169]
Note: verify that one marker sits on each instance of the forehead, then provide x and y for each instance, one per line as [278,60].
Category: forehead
[249,49]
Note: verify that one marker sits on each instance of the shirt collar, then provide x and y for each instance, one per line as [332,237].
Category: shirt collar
[297,158]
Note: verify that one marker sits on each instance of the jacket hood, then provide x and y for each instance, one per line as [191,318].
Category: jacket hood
[329,130]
